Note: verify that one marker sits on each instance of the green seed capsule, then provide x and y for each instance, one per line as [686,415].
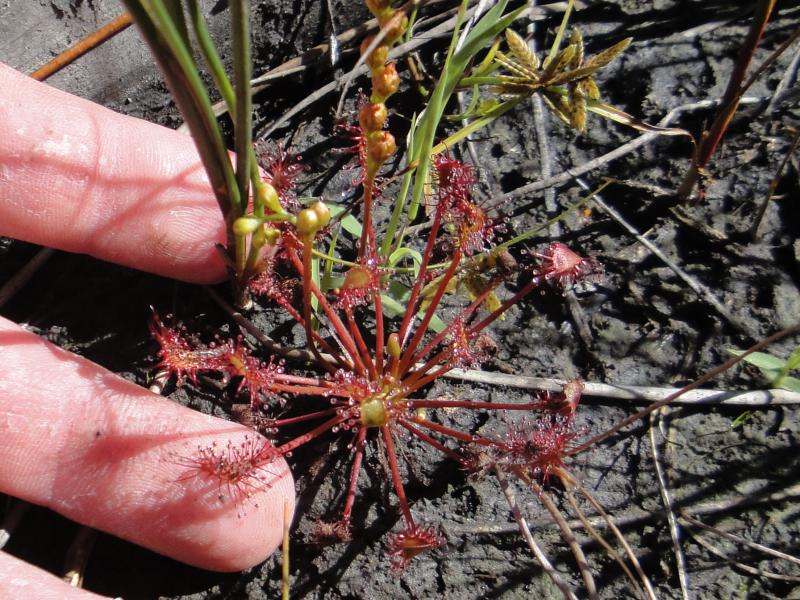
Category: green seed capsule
[393,346]
[307,223]
[245,225]
[323,213]
[268,196]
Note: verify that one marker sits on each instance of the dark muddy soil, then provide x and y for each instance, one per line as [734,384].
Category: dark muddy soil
[732,467]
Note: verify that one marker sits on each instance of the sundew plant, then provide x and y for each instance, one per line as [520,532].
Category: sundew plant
[388,301]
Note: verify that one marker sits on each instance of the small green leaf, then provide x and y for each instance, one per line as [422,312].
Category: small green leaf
[791,384]
[793,362]
[742,419]
[399,254]
[393,308]
[349,223]
[765,361]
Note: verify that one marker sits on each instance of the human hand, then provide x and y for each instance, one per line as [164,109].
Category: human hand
[75,437]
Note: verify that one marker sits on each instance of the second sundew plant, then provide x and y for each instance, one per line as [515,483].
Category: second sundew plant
[381,310]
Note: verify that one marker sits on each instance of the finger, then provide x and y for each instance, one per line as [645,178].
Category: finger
[18,579]
[82,178]
[109,454]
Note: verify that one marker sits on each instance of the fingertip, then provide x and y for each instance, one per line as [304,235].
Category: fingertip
[114,456]
[20,580]
[222,524]
[82,178]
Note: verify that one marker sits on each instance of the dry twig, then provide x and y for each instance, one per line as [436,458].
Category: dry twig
[666,498]
[544,562]
[702,290]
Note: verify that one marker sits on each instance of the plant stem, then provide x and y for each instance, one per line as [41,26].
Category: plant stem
[243,119]
[730,100]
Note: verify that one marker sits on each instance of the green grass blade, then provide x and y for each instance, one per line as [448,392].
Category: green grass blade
[243,121]
[211,56]
[175,59]
[490,25]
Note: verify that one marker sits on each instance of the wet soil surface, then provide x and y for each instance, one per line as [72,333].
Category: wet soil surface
[733,467]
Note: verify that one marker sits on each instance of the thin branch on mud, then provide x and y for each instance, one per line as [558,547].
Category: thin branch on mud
[740,540]
[666,498]
[595,535]
[634,520]
[570,174]
[544,562]
[746,568]
[634,393]
[707,376]
[702,290]
[569,537]
[569,481]
[88,43]
[552,208]
[773,186]
[787,82]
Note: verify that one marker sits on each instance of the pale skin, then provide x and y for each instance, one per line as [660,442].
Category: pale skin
[75,437]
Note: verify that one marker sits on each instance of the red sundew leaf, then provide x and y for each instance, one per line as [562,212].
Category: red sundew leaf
[411,542]
[181,357]
[540,446]
[326,532]
[283,169]
[561,264]
[258,377]
[455,179]
[468,350]
[361,282]
[565,402]
[238,470]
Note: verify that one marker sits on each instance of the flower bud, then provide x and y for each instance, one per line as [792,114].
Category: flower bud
[307,223]
[245,225]
[378,56]
[379,7]
[271,235]
[380,146]
[395,26]
[385,81]
[268,196]
[371,117]
[393,346]
[323,213]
